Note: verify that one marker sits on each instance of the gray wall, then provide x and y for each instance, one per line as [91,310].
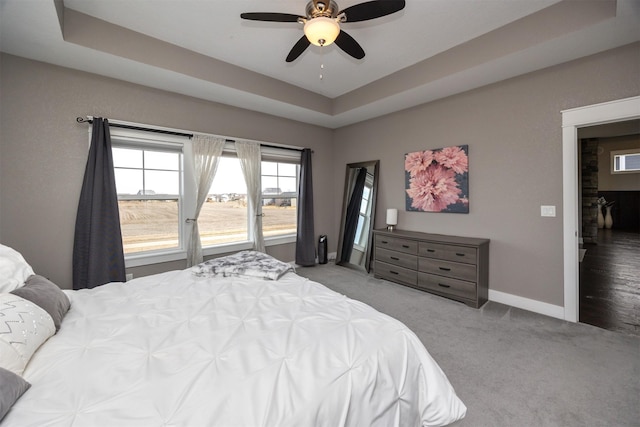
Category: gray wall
[43,152]
[513,129]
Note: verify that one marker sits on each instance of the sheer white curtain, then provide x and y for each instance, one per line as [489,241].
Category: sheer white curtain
[250,160]
[206,156]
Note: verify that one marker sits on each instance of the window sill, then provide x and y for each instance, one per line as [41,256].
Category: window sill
[279,240]
[226,248]
[137,260]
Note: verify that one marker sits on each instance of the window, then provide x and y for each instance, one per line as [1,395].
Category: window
[148,186]
[625,161]
[279,198]
[156,196]
[223,217]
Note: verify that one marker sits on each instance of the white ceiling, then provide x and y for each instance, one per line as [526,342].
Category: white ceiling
[352,90]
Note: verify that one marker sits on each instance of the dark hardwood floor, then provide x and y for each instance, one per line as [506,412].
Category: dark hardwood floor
[610,282]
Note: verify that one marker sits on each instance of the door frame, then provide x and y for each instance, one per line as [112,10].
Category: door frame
[573,119]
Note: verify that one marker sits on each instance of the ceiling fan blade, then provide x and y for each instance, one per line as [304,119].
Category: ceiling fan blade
[270,17]
[372,9]
[298,48]
[349,45]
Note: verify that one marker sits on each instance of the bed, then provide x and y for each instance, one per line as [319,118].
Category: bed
[218,346]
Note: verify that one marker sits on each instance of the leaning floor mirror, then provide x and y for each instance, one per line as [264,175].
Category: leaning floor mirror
[358,215]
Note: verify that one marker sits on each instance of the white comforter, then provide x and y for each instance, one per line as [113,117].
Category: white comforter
[178,350]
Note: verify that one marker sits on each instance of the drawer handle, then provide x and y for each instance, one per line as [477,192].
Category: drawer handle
[395,258]
[431,250]
[459,254]
[385,242]
[444,269]
[393,272]
[405,246]
[444,286]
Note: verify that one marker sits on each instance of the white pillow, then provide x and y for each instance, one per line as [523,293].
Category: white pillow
[14,270]
[23,328]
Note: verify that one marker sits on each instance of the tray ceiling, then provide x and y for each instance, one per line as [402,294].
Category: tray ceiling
[429,50]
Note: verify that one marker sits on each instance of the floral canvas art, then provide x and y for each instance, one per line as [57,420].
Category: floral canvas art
[438,180]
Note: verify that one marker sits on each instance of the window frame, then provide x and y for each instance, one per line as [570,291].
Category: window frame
[268,154]
[144,140]
[281,155]
[221,248]
[130,138]
[623,153]
[266,198]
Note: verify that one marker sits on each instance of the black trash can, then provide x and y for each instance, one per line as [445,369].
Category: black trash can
[322,249]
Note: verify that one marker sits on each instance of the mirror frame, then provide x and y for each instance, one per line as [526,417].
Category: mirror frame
[348,184]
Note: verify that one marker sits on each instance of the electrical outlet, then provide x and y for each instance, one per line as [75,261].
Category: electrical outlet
[548,211]
[129,276]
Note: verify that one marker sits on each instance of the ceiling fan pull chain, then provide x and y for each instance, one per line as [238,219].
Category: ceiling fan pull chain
[321,62]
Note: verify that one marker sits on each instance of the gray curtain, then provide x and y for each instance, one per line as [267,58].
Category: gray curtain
[353,214]
[305,241]
[98,257]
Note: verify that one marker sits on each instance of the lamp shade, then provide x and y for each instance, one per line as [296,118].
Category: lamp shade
[392,216]
[321,31]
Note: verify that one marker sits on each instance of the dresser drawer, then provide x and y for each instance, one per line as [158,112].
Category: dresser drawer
[447,285]
[447,268]
[397,258]
[397,244]
[395,273]
[463,254]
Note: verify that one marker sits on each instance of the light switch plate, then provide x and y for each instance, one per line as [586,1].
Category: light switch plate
[547,211]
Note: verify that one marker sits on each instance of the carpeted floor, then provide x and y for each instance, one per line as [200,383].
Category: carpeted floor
[511,367]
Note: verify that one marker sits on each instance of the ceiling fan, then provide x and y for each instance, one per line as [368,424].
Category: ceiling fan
[322,23]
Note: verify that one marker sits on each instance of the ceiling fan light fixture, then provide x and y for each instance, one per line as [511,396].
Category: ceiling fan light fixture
[321,31]
[322,21]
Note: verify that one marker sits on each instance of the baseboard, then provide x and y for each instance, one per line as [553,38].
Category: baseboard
[331,256]
[527,304]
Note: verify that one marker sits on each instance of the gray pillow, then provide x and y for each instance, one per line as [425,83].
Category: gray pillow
[46,295]
[12,386]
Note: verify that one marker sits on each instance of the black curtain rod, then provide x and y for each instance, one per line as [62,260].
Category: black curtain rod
[118,125]
[169,132]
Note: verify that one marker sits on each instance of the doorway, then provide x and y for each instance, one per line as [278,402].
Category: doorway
[609,269]
[572,120]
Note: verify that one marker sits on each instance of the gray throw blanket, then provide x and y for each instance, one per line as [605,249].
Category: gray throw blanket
[245,263]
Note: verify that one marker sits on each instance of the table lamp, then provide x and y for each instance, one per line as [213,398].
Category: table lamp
[392,219]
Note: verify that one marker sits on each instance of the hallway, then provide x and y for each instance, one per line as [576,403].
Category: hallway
[610,282]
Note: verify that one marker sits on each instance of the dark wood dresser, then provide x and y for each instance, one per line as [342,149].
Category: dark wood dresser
[450,266]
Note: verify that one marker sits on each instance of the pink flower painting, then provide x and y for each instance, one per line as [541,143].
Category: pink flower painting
[438,180]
